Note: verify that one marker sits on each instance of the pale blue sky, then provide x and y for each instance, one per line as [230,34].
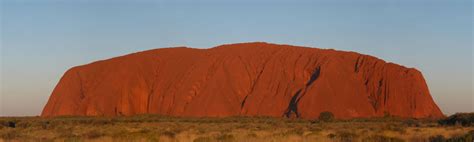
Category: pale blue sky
[40,40]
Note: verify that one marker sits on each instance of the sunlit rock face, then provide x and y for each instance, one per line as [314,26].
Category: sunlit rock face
[246,79]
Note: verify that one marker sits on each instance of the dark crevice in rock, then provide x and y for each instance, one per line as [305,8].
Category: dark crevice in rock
[379,87]
[149,99]
[153,83]
[293,105]
[81,86]
[243,102]
[258,76]
[246,67]
[118,113]
[357,64]
[386,94]
[294,67]
[375,97]
[373,102]
[292,109]
[254,84]
[82,95]
[314,76]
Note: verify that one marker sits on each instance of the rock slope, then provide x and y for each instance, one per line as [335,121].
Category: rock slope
[246,79]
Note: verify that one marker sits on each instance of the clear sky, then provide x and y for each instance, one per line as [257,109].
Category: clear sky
[40,40]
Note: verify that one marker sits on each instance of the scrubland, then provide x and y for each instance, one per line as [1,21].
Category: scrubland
[250,129]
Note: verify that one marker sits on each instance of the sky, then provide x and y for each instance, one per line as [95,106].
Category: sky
[40,40]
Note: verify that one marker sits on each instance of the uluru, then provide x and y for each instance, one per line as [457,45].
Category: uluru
[244,79]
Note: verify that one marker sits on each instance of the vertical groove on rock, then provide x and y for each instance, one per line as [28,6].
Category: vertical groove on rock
[385,93]
[293,104]
[153,83]
[271,58]
[81,86]
[81,91]
[294,67]
[254,84]
[149,100]
[243,102]
[314,76]
[246,68]
[253,87]
[358,63]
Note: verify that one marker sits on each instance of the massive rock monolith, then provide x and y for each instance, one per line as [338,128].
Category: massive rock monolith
[247,79]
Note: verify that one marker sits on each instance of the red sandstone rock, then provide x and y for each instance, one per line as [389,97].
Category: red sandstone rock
[250,79]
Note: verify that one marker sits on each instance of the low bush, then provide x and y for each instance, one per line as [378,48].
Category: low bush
[225,138]
[9,134]
[93,134]
[395,128]
[326,116]
[331,136]
[8,123]
[252,135]
[459,138]
[411,123]
[469,137]
[437,138]
[380,138]
[345,136]
[11,124]
[295,131]
[464,119]
[203,139]
[169,134]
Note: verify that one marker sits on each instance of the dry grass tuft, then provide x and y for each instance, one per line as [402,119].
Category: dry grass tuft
[252,129]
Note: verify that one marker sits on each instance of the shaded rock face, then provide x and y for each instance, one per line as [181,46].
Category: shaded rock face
[247,79]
